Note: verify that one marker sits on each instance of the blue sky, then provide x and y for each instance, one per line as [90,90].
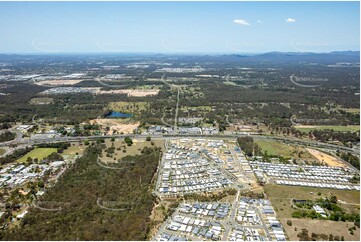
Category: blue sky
[178,27]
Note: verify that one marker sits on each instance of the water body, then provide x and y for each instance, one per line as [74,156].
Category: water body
[118,115]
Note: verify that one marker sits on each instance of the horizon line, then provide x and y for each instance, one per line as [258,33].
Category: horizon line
[174,53]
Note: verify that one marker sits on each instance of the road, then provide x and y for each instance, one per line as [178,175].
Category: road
[30,141]
[231,222]
[176,113]
[177,105]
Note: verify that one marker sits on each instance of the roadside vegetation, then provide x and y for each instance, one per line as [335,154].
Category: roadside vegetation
[7,136]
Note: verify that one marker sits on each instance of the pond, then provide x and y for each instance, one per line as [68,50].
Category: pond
[118,115]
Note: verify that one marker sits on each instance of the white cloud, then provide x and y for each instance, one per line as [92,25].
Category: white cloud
[241,22]
[290,20]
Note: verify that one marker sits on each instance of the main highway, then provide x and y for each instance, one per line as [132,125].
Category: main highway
[57,139]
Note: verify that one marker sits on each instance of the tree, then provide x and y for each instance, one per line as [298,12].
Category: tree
[333,199]
[41,183]
[289,222]
[148,139]
[330,237]
[128,140]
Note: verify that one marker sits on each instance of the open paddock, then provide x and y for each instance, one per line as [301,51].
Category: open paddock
[340,128]
[320,227]
[41,100]
[134,149]
[281,197]
[58,82]
[131,92]
[116,126]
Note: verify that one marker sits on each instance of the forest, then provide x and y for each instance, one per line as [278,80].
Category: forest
[96,203]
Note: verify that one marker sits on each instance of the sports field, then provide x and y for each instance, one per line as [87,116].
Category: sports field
[38,153]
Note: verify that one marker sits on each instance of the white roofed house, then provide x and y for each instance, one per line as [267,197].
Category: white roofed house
[320,211]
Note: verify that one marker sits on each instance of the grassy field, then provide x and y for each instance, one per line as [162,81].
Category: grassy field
[134,149]
[39,153]
[74,148]
[2,151]
[128,107]
[281,197]
[199,108]
[325,227]
[307,128]
[41,100]
[287,151]
[351,110]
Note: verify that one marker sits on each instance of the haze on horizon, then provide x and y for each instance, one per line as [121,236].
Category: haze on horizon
[179,27]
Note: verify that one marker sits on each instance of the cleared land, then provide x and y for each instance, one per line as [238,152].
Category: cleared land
[58,82]
[38,153]
[351,110]
[41,100]
[281,199]
[198,108]
[275,148]
[132,93]
[307,128]
[128,107]
[325,158]
[281,196]
[116,126]
[320,227]
[74,148]
[134,149]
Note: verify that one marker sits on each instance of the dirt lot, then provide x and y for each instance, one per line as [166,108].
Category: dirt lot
[58,82]
[318,227]
[117,125]
[325,158]
[131,92]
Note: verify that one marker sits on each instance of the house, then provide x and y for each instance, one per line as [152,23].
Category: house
[320,210]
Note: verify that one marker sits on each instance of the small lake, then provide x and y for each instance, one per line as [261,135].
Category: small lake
[118,115]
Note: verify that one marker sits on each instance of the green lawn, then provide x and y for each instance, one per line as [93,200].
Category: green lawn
[275,148]
[352,128]
[39,153]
